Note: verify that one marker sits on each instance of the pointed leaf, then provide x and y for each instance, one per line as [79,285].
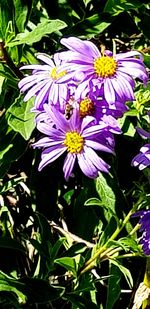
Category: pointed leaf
[96,202]
[124,271]
[6,284]
[81,302]
[114,289]
[7,242]
[42,29]
[21,13]
[106,195]
[34,290]
[21,119]
[68,263]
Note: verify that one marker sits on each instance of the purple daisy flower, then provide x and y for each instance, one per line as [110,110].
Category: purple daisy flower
[105,136]
[142,160]
[76,137]
[109,74]
[91,107]
[143,133]
[99,107]
[145,228]
[44,82]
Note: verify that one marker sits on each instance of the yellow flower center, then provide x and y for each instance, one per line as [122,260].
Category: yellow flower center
[74,142]
[105,66]
[86,107]
[56,75]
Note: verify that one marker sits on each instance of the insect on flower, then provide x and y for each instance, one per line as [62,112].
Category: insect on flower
[68,110]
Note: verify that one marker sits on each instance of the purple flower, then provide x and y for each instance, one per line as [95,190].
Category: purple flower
[76,137]
[143,133]
[142,160]
[99,107]
[145,228]
[107,74]
[92,107]
[44,82]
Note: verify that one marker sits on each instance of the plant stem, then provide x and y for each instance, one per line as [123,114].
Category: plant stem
[137,226]
[6,59]
[91,262]
[127,255]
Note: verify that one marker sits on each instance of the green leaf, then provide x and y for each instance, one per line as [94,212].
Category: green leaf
[96,202]
[68,263]
[39,247]
[76,249]
[142,96]
[124,271]
[10,32]
[106,195]
[42,29]
[129,243]
[109,230]
[5,72]
[143,24]
[1,83]
[97,24]
[80,302]
[86,284]
[12,146]
[114,289]
[34,290]
[21,13]
[9,300]
[115,7]
[7,242]
[7,284]
[147,60]
[4,151]
[56,247]
[126,125]
[6,14]
[44,228]
[40,291]
[68,196]
[10,184]
[129,128]
[78,7]
[21,119]
[90,26]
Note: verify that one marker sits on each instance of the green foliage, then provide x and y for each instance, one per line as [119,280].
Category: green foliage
[90,26]
[10,285]
[30,289]
[74,244]
[114,289]
[80,301]
[22,9]
[7,242]
[42,29]
[20,118]
[106,195]
[116,7]
[124,271]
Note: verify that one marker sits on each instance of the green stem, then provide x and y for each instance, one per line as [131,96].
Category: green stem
[127,255]
[136,228]
[91,262]
[6,59]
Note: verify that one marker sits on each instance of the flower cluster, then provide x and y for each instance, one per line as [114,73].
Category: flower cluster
[145,228]
[79,94]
